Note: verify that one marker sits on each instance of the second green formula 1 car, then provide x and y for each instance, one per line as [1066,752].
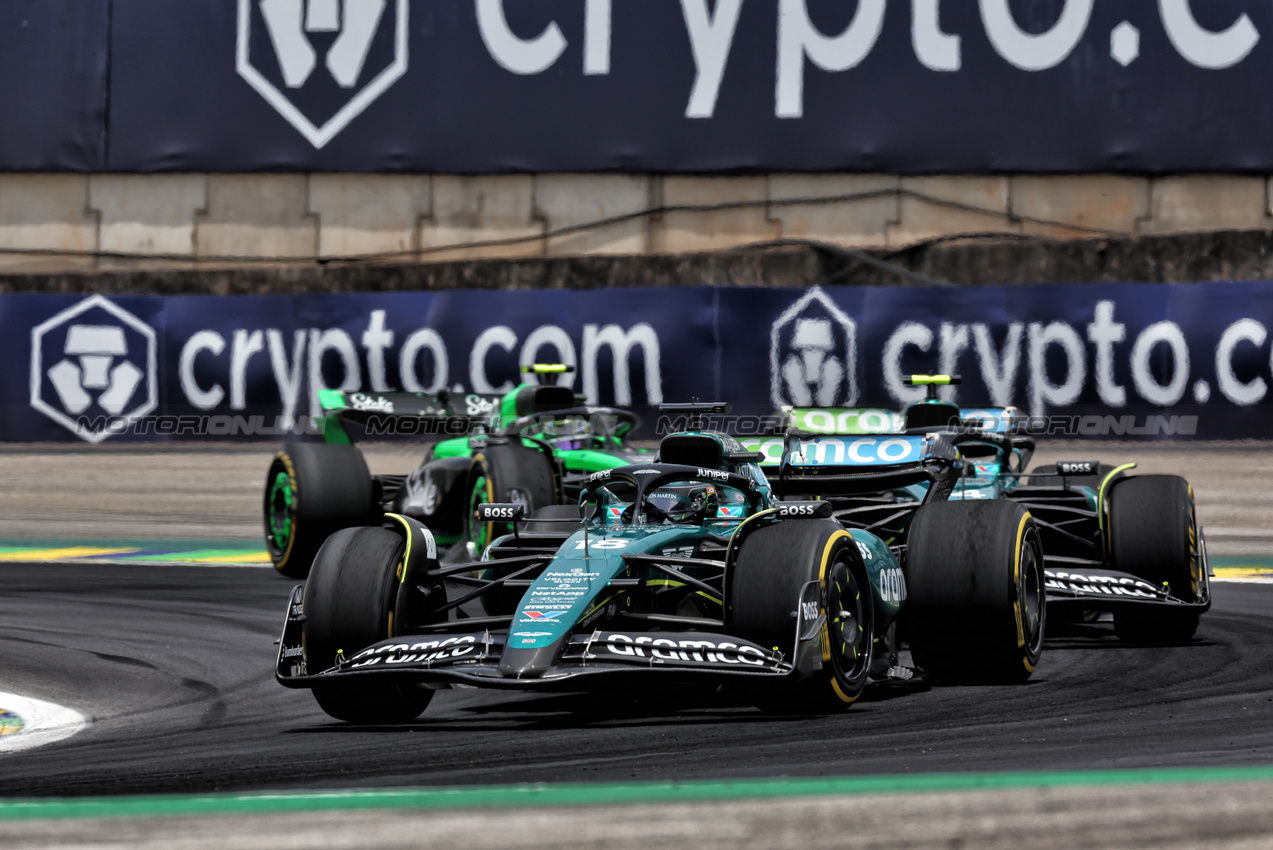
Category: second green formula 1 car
[1113,543]
[531,446]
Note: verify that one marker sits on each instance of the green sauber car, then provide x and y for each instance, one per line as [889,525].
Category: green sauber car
[532,446]
[687,569]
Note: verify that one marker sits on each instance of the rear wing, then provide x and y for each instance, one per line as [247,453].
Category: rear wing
[444,414]
[871,420]
[847,464]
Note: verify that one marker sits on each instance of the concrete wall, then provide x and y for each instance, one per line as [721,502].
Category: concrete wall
[216,220]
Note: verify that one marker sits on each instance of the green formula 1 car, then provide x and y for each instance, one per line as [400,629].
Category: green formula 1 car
[686,569]
[1111,542]
[532,446]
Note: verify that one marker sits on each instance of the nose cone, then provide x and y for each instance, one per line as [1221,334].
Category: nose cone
[527,663]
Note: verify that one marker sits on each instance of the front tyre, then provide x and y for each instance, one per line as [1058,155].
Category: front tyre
[507,473]
[773,566]
[312,490]
[348,605]
[975,591]
[1153,535]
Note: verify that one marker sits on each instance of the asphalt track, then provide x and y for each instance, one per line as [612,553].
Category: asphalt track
[172,666]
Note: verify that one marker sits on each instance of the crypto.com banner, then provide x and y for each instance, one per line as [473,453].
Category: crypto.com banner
[638,85]
[1099,360]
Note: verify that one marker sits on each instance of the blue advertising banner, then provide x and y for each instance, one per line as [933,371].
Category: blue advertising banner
[1099,360]
[691,85]
[483,86]
[53,56]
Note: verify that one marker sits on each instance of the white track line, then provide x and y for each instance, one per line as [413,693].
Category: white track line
[43,723]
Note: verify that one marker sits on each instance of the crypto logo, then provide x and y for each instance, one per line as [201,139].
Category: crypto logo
[92,361]
[320,63]
[813,354]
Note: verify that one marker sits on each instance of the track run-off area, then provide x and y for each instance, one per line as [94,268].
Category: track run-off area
[134,596]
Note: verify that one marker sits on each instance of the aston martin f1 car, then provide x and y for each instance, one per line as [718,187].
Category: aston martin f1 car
[532,446]
[1110,541]
[687,569]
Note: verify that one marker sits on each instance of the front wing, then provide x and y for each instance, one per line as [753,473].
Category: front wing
[474,658]
[1097,588]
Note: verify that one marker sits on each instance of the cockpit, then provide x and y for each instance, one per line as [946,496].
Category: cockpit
[578,428]
[681,501]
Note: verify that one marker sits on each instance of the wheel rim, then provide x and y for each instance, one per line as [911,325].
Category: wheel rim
[1032,594]
[479,532]
[280,514]
[847,623]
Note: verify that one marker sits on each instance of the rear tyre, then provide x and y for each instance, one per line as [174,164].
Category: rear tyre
[975,610]
[773,566]
[349,599]
[312,490]
[1153,535]
[507,473]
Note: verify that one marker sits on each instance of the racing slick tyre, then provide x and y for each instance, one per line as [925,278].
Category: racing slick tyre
[1153,535]
[349,599]
[974,608]
[507,473]
[774,564]
[312,490]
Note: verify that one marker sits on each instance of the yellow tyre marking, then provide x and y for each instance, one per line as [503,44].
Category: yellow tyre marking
[1016,579]
[406,555]
[733,535]
[826,553]
[402,564]
[1016,606]
[1100,494]
[826,637]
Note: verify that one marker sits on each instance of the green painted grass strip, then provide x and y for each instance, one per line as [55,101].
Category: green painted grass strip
[1249,562]
[596,794]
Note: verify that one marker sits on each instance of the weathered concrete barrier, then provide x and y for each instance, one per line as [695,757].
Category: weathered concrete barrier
[1177,258]
[140,223]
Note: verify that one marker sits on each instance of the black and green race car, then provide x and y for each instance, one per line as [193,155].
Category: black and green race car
[531,446]
[686,569]
[1112,542]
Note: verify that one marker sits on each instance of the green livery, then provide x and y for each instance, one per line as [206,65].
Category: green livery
[688,568]
[532,445]
[1112,544]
